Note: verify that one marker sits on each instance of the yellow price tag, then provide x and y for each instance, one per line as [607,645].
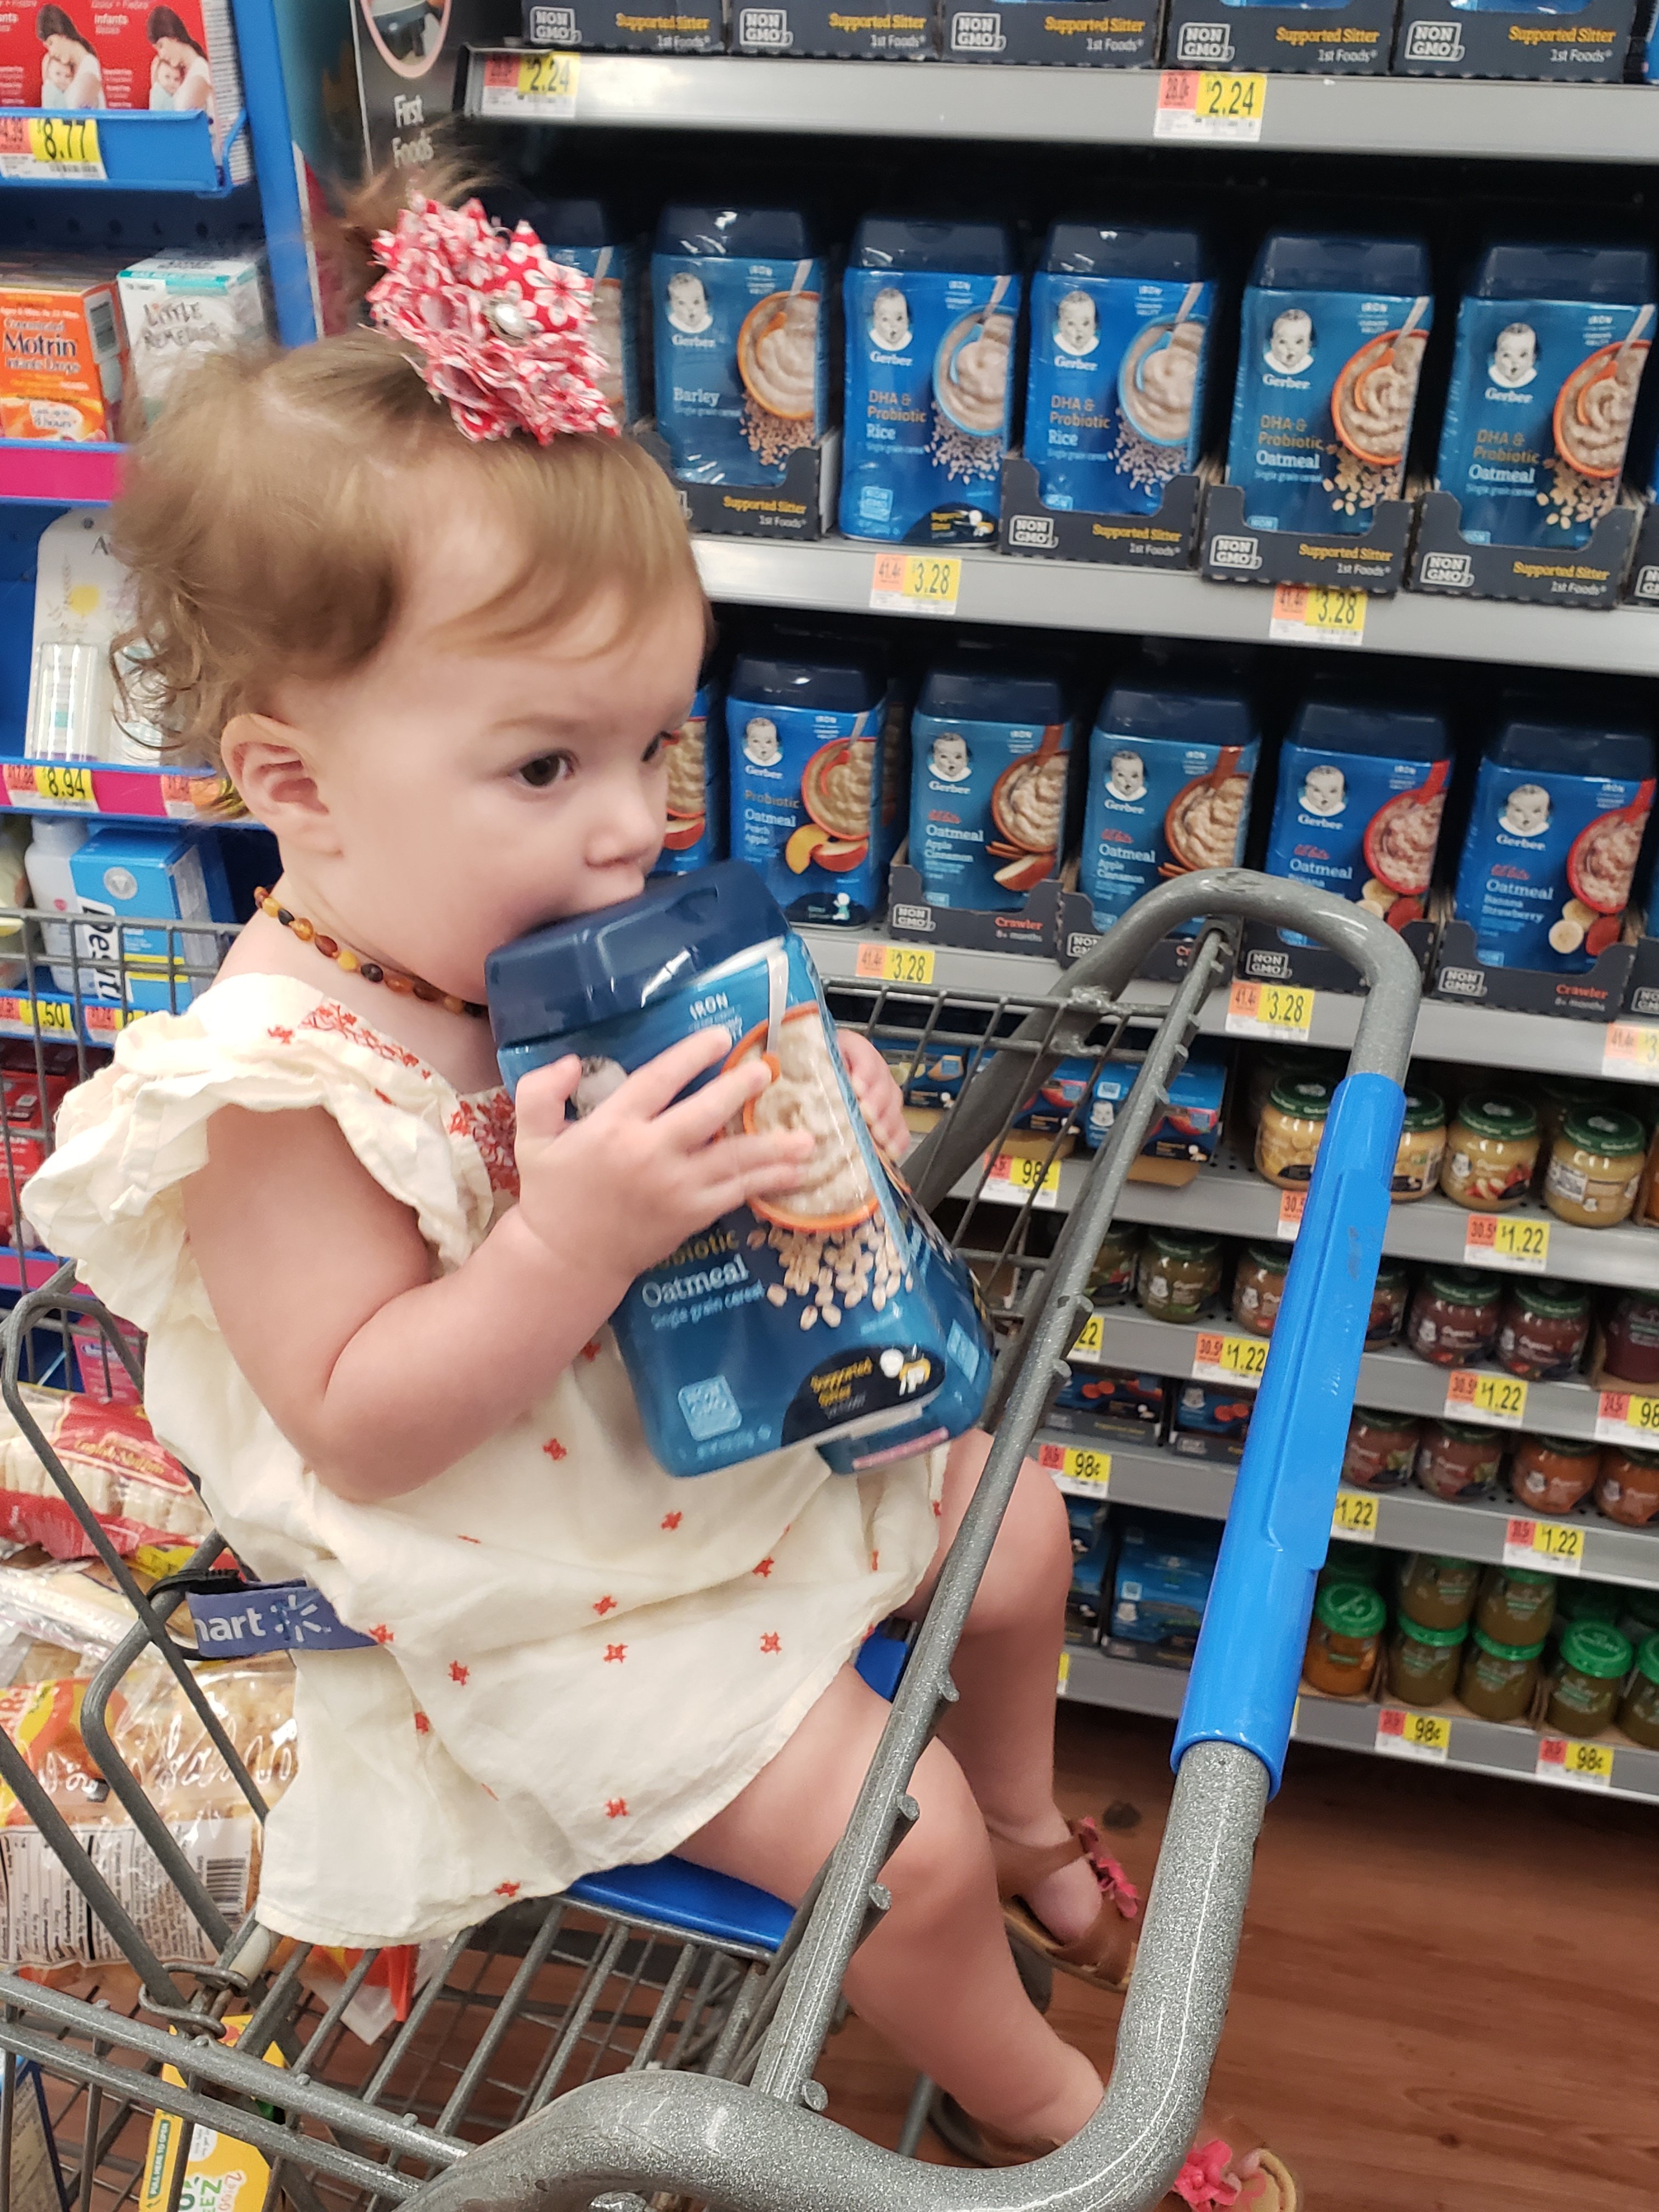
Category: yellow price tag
[59,785]
[1626,1417]
[1064,1681]
[1518,1241]
[1321,614]
[1241,1359]
[60,148]
[158,1560]
[1630,1049]
[531,87]
[1411,1735]
[1011,1178]
[894,963]
[1354,1516]
[1283,1010]
[1560,1759]
[1223,106]
[1557,1544]
[22,1017]
[1089,1340]
[1079,1468]
[915,584]
[1474,1394]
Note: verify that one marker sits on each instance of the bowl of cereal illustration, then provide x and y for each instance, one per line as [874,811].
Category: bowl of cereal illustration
[778,355]
[1202,821]
[1594,407]
[1158,380]
[1398,846]
[1374,394]
[836,1190]
[1601,863]
[836,786]
[1028,807]
[970,373]
[687,785]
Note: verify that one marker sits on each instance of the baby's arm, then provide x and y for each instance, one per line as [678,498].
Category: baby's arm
[380,1374]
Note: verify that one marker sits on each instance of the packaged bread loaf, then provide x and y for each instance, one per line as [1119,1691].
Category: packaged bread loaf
[138,1490]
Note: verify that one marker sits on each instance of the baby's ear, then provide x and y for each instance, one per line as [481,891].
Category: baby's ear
[269,762]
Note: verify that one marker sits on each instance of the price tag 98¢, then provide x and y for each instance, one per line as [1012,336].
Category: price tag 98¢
[1582,1765]
[1628,1417]
[1412,1736]
[1079,1470]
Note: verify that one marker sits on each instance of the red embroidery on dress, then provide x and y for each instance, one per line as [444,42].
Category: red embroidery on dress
[875,1562]
[488,1791]
[380,1632]
[282,1036]
[938,1509]
[771,1641]
[616,1808]
[591,1349]
[604,1605]
[672,1520]
[457,1672]
[339,1021]
[490,1122]
[423,1726]
[555,1449]
[469,1540]
[614,1651]
[509,1888]
[763,1570]
[384,1100]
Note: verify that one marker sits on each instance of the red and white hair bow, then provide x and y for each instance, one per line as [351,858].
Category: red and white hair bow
[502,332]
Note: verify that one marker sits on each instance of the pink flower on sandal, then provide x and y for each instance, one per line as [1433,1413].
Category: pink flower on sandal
[1203,2181]
[1114,1882]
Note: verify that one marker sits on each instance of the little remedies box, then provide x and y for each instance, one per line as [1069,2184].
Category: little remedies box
[179,305]
[1551,341]
[990,746]
[1331,339]
[63,353]
[932,311]
[122,875]
[1121,321]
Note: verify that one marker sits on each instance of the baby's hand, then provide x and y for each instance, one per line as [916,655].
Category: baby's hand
[631,1181]
[879,1098]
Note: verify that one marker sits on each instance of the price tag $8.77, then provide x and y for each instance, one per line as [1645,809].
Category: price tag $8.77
[61,148]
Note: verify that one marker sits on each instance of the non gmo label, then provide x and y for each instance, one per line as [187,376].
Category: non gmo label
[1223,106]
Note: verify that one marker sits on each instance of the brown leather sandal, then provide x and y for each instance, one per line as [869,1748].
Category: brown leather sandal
[1105,1952]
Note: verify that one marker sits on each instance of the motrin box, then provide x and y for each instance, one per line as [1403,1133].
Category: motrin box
[63,352]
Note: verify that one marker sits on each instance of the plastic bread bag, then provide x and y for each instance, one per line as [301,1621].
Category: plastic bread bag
[139,1493]
[44,1923]
[51,1611]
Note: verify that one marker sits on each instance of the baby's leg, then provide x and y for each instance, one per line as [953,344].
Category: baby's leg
[1002,1731]
[936,1977]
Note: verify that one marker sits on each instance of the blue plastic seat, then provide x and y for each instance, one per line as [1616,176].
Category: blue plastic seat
[698,1901]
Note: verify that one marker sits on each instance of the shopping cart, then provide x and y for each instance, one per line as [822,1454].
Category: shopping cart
[653,2034]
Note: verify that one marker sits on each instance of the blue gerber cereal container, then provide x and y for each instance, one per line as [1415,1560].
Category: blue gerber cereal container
[817,757]
[931,312]
[1170,767]
[1115,391]
[833,1314]
[1361,791]
[1551,341]
[697,788]
[990,746]
[740,341]
[1330,348]
[583,235]
[1552,842]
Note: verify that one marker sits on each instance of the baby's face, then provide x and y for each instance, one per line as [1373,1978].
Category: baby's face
[1528,811]
[55,70]
[471,788]
[168,74]
[1515,352]
[761,742]
[950,757]
[1128,775]
[685,295]
[1323,791]
[890,322]
[1290,339]
[1076,322]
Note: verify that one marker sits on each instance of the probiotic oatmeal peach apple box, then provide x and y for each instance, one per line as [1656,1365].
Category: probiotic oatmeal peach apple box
[63,352]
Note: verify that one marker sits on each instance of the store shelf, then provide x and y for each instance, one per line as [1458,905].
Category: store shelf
[1446,1029]
[25,1271]
[1408,1520]
[43,472]
[140,151]
[121,792]
[1392,1380]
[1096,1677]
[1103,107]
[833,577]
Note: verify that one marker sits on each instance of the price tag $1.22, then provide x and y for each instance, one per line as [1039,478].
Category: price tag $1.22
[1353,1516]
[1557,1544]
[1241,1359]
[1507,1240]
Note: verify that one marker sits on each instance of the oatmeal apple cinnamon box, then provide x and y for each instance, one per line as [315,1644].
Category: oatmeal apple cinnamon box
[991,746]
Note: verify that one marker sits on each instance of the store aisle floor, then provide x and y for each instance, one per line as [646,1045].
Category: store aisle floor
[1445,2000]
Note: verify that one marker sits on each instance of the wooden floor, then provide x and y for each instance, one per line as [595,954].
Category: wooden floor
[1447,1996]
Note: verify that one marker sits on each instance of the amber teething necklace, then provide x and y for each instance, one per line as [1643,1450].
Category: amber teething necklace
[370,970]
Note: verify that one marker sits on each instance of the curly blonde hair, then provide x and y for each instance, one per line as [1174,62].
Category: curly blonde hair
[269,524]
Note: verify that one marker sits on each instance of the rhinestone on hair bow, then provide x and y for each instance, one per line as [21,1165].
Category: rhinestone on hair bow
[501,331]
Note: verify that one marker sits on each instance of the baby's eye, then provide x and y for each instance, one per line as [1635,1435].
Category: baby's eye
[653,751]
[546,769]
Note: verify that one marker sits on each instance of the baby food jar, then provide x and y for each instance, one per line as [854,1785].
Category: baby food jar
[1516,1605]
[1457,1460]
[1638,1615]
[1585,1693]
[1498,1680]
[1423,1663]
[1454,1317]
[1380,1449]
[1491,1148]
[831,1313]
[1630,1340]
[1292,1123]
[1355,1563]
[1558,1096]
[1390,1295]
[1552,1474]
[1543,1329]
[1436,1592]
[1638,1714]
[1177,1276]
[1579,1601]
[1112,1279]
[1627,1488]
[1594,1168]
[1343,1640]
[1258,1286]
[1422,1146]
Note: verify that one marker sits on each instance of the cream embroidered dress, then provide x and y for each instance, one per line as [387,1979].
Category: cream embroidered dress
[581,1658]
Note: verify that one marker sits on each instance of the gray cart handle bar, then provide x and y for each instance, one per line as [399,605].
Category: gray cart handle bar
[766,2147]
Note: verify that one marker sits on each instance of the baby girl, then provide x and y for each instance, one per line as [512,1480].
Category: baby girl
[437,647]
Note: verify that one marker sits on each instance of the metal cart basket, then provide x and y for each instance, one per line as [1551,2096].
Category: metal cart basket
[653,2034]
